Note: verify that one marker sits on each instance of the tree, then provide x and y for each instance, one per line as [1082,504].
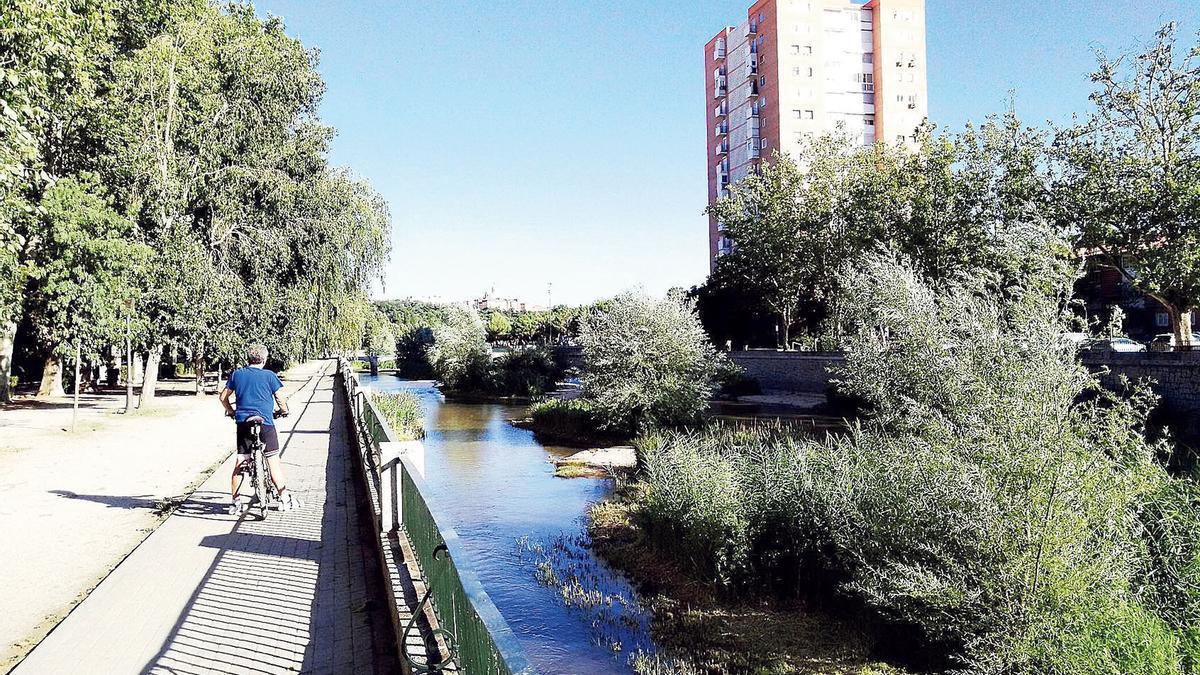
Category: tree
[1130,190]
[647,363]
[379,338]
[51,55]
[460,354]
[527,326]
[499,327]
[965,204]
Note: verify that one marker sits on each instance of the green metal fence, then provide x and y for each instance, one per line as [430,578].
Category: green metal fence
[482,643]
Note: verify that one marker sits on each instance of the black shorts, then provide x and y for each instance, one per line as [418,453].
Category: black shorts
[267,433]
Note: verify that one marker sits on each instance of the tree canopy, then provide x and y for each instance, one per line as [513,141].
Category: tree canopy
[185,139]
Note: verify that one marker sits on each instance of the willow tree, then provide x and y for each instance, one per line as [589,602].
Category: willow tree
[1130,189]
[209,112]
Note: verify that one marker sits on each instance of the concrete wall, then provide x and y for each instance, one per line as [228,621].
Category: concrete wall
[806,372]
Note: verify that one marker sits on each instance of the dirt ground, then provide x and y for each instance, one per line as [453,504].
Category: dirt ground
[74,504]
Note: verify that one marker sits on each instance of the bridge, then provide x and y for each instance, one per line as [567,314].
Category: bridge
[362,579]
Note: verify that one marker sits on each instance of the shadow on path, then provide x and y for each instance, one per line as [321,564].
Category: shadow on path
[291,593]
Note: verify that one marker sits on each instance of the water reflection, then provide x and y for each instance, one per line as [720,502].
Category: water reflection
[521,527]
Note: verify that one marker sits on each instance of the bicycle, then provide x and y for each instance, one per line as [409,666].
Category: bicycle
[256,468]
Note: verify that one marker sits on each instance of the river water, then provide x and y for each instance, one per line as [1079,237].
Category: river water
[523,531]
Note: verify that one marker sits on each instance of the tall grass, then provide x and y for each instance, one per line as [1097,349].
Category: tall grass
[403,413]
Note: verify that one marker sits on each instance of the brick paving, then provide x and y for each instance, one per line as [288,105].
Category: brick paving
[208,592]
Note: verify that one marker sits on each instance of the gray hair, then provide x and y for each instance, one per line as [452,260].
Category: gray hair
[257,354]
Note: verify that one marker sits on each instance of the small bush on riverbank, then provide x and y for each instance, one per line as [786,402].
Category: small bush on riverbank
[564,422]
[524,373]
[647,363]
[403,412]
[995,503]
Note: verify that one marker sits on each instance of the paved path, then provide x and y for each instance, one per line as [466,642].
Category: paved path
[210,593]
[74,504]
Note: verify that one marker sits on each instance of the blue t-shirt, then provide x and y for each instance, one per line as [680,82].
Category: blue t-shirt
[254,393]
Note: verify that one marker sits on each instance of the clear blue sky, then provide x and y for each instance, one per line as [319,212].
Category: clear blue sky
[523,143]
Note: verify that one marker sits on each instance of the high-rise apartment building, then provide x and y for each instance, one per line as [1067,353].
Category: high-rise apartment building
[800,68]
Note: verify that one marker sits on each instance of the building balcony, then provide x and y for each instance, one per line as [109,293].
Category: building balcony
[721,110]
[722,228]
[722,130]
[723,148]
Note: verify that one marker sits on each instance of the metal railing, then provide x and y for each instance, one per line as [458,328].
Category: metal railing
[482,642]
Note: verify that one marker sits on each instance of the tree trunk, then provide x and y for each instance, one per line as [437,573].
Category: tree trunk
[198,366]
[1182,323]
[784,325]
[150,381]
[8,335]
[52,385]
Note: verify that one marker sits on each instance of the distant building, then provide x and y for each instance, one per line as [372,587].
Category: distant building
[1103,287]
[493,302]
[800,68]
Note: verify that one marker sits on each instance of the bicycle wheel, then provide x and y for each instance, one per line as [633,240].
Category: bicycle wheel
[263,475]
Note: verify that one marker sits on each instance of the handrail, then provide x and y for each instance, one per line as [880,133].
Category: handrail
[481,641]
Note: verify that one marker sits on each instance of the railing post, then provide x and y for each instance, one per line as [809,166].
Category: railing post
[389,488]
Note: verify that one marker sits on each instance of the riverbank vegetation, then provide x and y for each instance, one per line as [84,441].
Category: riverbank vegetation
[647,364]
[996,510]
[163,173]
[461,359]
[403,412]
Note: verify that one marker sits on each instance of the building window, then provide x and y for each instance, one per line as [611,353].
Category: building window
[869,99]
[808,49]
[868,58]
[762,80]
[1162,320]
[810,72]
[808,114]
[869,120]
[796,50]
[799,114]
[765,143]
[796,71]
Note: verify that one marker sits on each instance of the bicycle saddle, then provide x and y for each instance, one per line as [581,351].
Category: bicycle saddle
[257,419]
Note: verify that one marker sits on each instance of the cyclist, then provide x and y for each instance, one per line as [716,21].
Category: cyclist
[256,391]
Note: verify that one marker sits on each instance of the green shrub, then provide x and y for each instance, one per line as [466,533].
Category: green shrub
[12,383]
[647,363]
[403,412]
[181,370]
[995,499]
[529,372]
[558,419]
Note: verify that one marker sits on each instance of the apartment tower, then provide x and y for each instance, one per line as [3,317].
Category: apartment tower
[800,68]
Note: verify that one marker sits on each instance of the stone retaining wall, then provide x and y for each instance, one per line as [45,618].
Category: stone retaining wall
[1177,380]
[1176,376]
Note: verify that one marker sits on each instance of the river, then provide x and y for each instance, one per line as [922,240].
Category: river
[523,530]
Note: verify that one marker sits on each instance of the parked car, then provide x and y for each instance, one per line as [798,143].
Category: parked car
[1115,344]
[1077,340]
[1165,342]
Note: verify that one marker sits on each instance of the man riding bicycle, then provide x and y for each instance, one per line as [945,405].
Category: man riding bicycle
[256,391]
